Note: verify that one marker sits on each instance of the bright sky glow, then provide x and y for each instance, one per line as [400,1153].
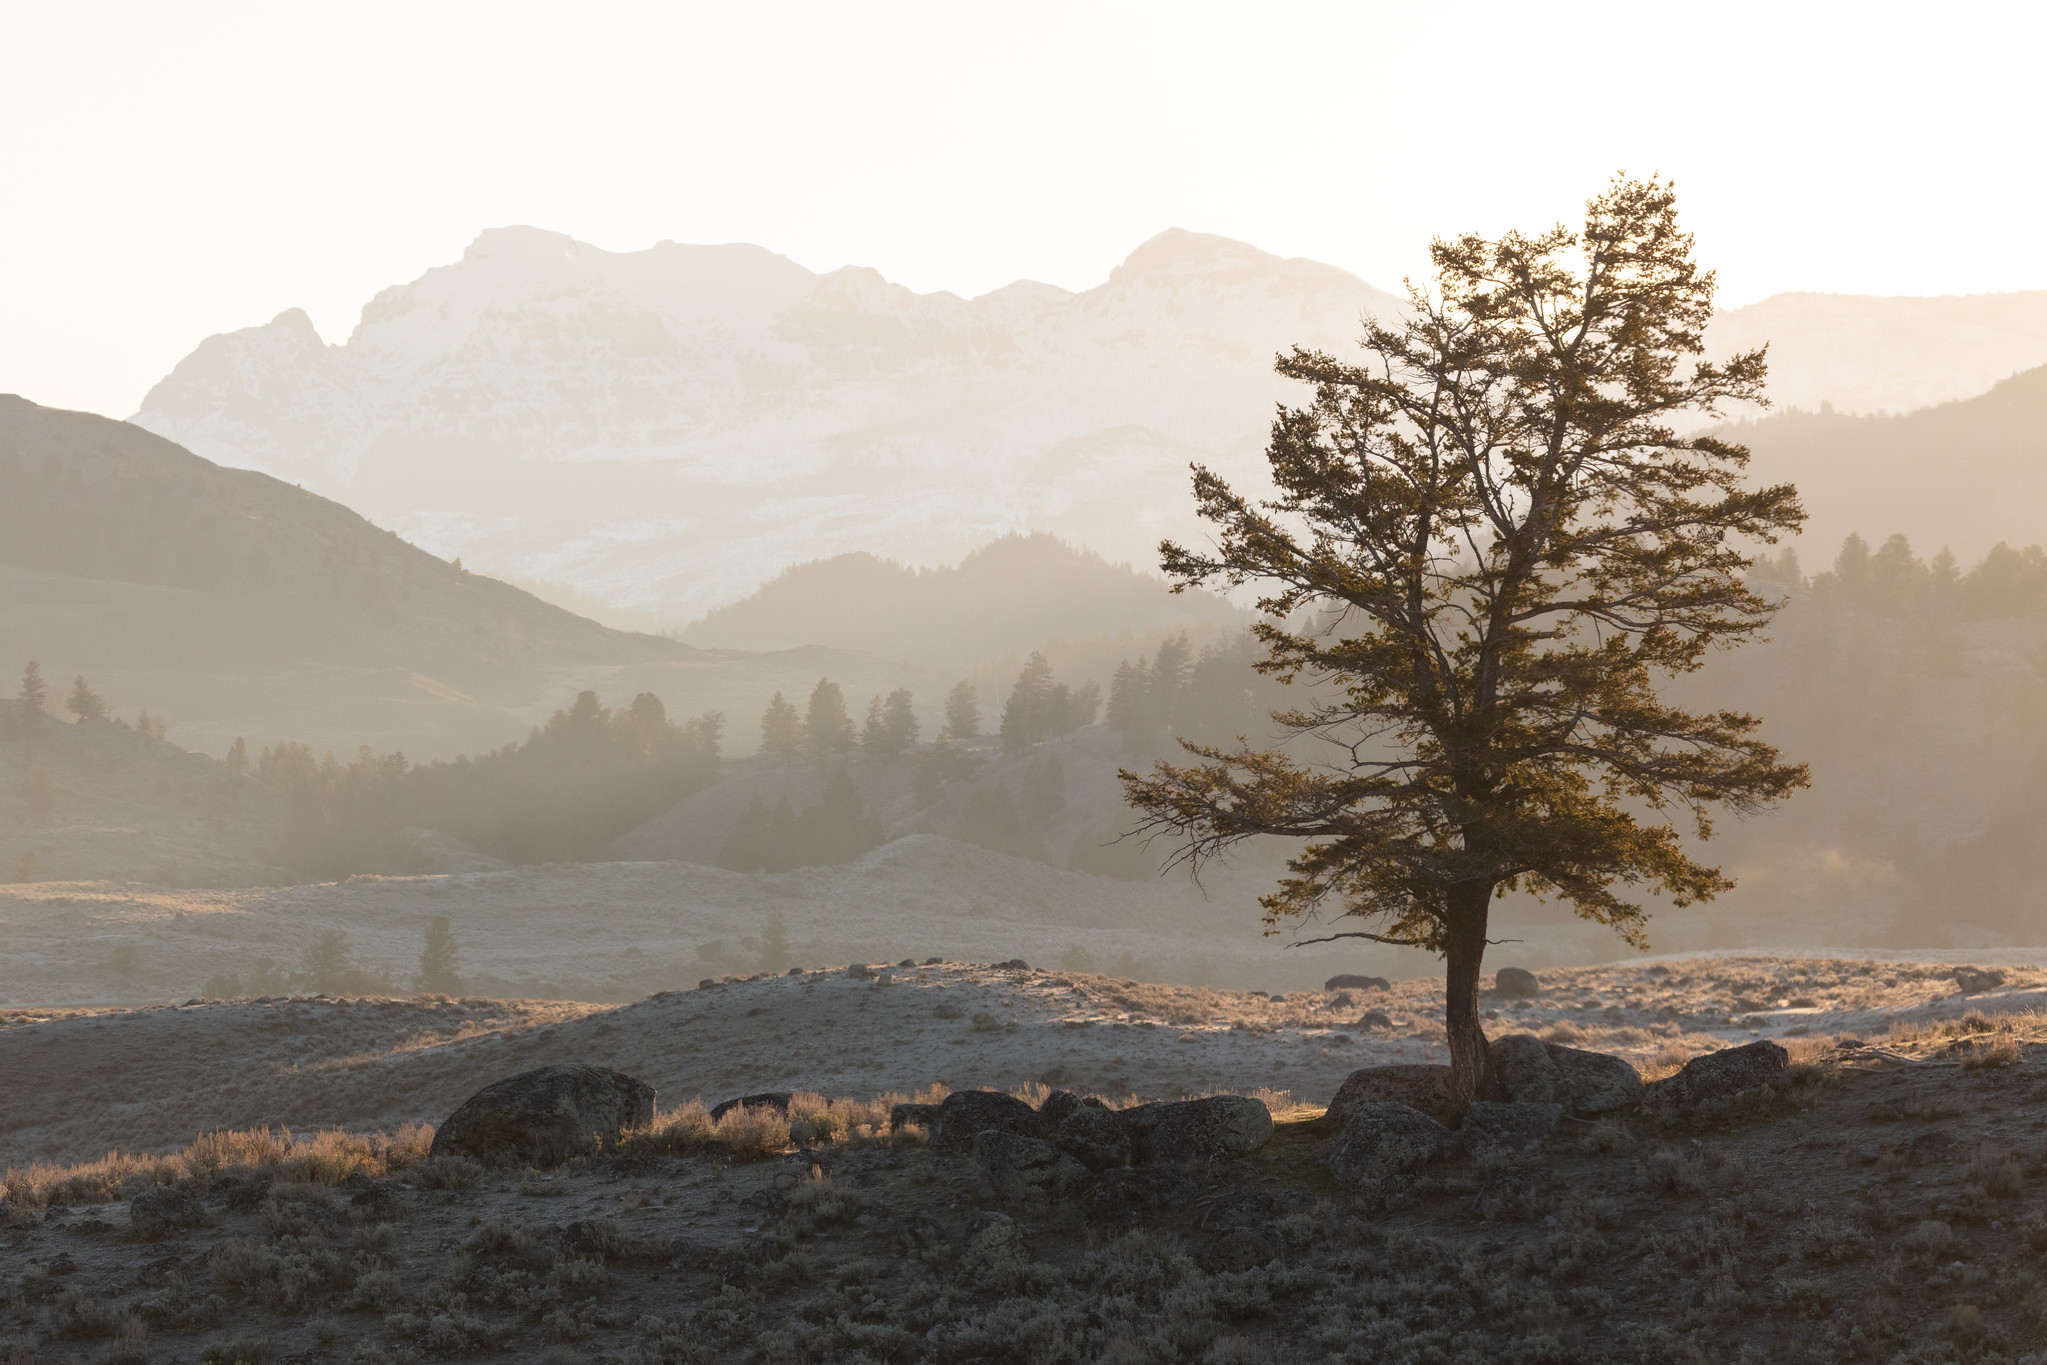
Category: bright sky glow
[171,171]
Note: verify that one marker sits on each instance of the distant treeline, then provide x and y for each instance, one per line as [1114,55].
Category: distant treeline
[1892,581]
[577,783]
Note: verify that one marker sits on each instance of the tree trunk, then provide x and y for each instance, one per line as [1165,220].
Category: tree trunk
[1471,1072]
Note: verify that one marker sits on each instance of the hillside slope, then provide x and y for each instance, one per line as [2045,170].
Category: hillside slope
[1964,475]
[236,603]
[1007,597]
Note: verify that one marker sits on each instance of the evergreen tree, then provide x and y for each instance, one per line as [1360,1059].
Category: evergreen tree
[437,971]
[962,712]
[1129,714]
[238,758]
[781,729]
[891,725]
[1164,689]
[1512,544]
[33,691]
[85,703]
[827,729]
[1024,715]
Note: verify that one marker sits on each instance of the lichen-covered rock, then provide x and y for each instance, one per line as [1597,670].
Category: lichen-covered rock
[1530,1071]
[154,1214]
[989,1233]
[1383,1141]
[1717,1076]
[1523,1070]
[1492,1130]
[1020,1170]
[967,1112]
[546,1116]
[1517,983]
[1976,980]
[1214,1128]
[777,1100]
[1593,1082]
[1095,1135]
[1418,1085]
[1057,1105]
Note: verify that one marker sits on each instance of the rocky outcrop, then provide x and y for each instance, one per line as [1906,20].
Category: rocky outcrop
[1717,1076]
[1418,1085]
[1531,1071]
[546,1116]
[1214,1128]
[1019,1170]
[1382,1141]
[968,1112]
[1094,1135]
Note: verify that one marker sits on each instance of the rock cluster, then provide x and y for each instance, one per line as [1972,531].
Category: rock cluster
[1122,1161]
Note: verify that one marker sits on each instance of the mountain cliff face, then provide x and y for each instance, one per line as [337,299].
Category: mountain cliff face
[668,429]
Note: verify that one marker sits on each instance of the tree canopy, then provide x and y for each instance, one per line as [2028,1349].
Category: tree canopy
[1489,545]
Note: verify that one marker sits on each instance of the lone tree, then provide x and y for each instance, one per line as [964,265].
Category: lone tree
[781,729]
[1489,545]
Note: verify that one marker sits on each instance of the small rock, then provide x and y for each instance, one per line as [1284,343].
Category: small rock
[1976,980]
[1237,1249]
[777,1100]
[907,962]
[1418,1085]
[1213,1128]
[859,971]
[708,983]
[161,1212]
[1493,1130]
[1021,1170]
[988,1232]
[1015,964]
[1121,1198]
[1094,1135]
[1517,983]
[968,1112]
[1348,982]
[1382,1141]
[1717,1076]
[546,1116]
[1374,1019]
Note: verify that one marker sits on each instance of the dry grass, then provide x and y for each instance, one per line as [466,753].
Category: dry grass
[325,1158]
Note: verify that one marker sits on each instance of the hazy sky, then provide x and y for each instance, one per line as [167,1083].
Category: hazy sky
[168,171]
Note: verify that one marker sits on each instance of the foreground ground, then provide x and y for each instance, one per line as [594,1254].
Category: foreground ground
[1883,1205]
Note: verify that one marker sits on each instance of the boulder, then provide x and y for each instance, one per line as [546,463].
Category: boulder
[1094,1135]
[901,1116]
[1374,1019]
[1492,1130]
[1020,1170]
[988,1233]
[241,1193]
[1530,1071]
[777,1100]
[1057,1105]
[161,1212]
[1717,1076]
[967,1112]
[546,1116]
[1516,982]
[1347,982]
[1418,1085]
[1382,1141]
[1122,1198]
[1213,1128]
[1976,980]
